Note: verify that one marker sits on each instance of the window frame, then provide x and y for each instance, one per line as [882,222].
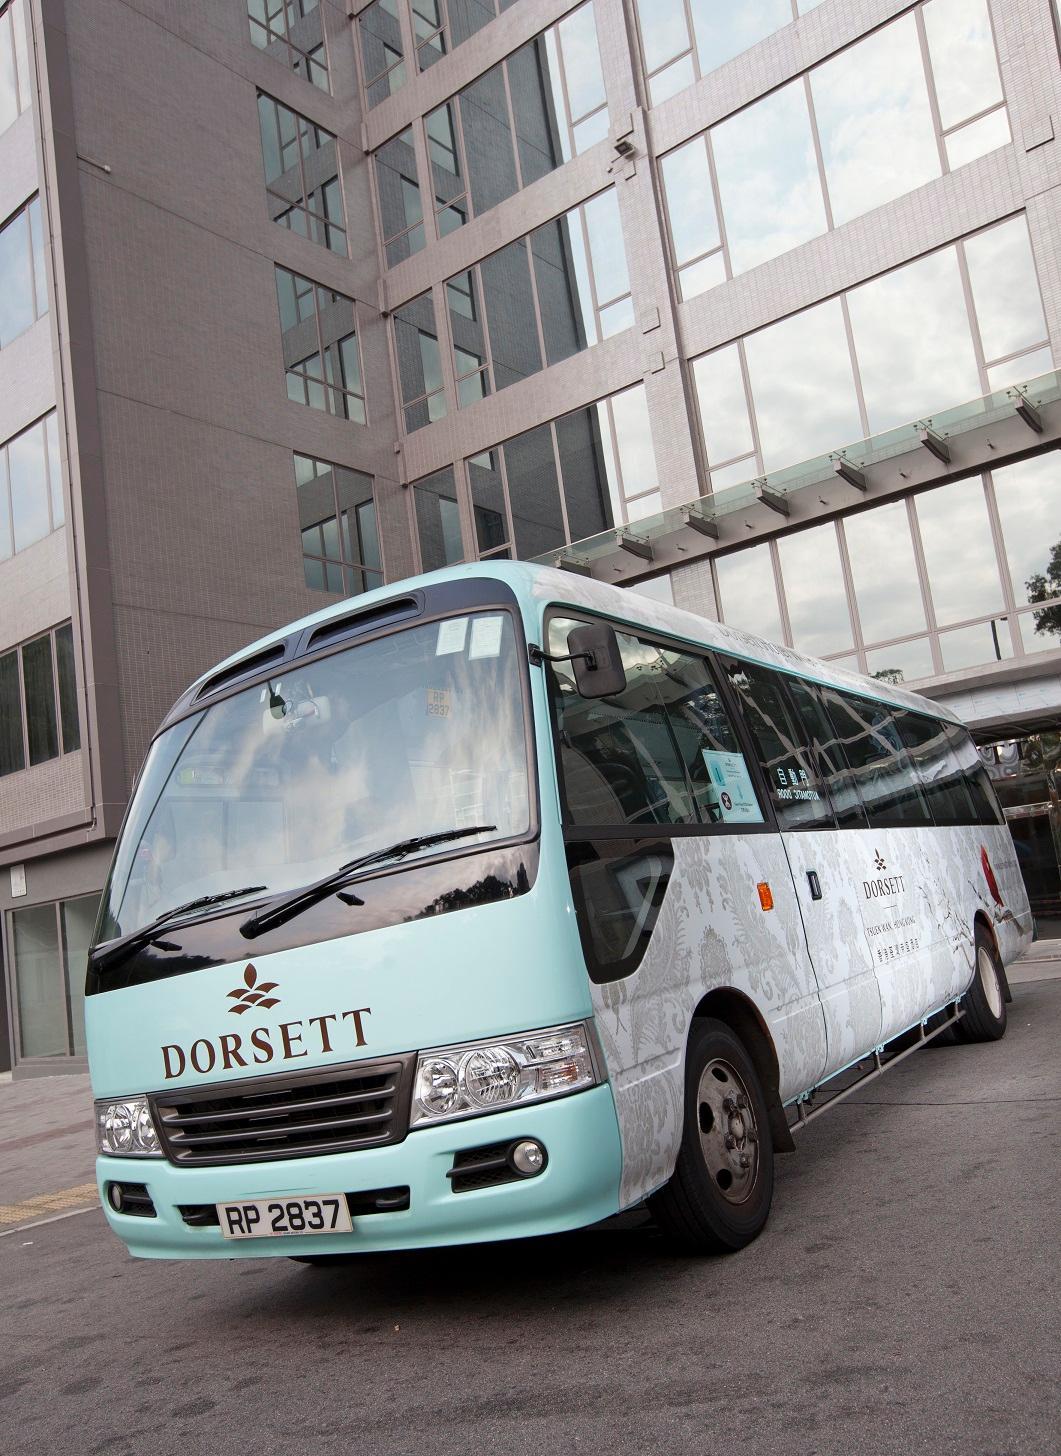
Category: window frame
[57,702]
[350,570]
[579,833]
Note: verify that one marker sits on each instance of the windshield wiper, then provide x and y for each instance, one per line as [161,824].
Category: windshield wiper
[291,905]
[136,939]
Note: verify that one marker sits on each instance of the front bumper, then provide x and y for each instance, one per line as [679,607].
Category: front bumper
[579,1186]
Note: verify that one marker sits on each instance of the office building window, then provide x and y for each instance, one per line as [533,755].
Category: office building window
[14,63]
[31,487]
[419,363]
[23,280]
[400,207]
[518,121]
[337,517]
[438,520]
[539,491]
[543,298]
[819,151]
[382,57]
[890,351]
[50,951]
[682,40]
[442,25]
[958,576]
[38,701]
[302,175]
[292,32]
[321,358]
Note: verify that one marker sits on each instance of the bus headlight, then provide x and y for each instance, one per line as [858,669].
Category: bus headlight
[124,1129]
[491,1076]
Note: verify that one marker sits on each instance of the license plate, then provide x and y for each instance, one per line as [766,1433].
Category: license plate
[264,1218]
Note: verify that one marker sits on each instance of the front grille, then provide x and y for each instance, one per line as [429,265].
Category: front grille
[293,1115]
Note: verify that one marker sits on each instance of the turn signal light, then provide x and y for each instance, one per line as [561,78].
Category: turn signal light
[766,896]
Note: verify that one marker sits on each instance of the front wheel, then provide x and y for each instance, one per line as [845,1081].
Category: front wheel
[985,1001]
[718,1198]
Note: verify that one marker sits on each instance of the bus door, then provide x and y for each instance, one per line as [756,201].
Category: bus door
[814,796]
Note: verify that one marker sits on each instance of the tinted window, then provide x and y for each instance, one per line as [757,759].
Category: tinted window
[799,797]
[985,805]
[833,766]
[661,752]
[883,771]
[942,780]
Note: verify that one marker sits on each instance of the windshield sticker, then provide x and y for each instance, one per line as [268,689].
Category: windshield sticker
[731,790]
[451,635]
[486,637]
[438,703]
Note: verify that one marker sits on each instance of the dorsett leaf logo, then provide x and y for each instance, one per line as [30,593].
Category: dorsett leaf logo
[252,993]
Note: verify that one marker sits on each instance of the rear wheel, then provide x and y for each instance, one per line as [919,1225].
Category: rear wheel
[719,1196]
[985,1001]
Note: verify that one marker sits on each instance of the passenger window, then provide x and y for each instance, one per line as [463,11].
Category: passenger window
[938,769]
[883,770]
[661,752]
[986,809]
[833,766]
[797,793]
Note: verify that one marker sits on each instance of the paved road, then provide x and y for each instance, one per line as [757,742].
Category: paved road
[904,1299]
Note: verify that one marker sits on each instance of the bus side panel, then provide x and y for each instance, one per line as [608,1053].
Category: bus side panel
[919,911]
[711,932]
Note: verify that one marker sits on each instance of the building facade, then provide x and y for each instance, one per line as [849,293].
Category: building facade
[753,307]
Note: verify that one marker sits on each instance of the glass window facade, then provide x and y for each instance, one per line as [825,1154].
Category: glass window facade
[821,150]
[955,577]
[518,121]
[382,54]
[547,487]
[14,63]
[292,32]
[302,175]
[31,487]
[337,519]
[543,298]
[38,701]
[321,359]
[441,25]
[50,951]
[23,279]
[401,211]
[890,351]
[419,363]
[682,40]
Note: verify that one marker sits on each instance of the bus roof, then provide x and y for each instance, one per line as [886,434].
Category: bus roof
[546,585]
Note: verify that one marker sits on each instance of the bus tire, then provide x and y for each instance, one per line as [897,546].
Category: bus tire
[984,1003]
[718,1198]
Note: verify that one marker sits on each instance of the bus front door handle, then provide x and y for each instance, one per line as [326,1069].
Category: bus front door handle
[815,885]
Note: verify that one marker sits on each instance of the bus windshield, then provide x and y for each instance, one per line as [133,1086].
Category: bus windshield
[416,733]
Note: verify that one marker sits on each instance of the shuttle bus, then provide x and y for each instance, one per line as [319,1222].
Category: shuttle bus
[498,901]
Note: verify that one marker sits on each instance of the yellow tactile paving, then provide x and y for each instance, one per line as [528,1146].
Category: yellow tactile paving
[83,1196]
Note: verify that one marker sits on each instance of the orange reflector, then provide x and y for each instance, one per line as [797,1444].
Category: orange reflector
[766,898]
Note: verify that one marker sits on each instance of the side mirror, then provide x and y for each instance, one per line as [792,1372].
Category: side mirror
[599,671]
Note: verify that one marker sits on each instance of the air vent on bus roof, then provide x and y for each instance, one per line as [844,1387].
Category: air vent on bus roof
[363,621]
[240,669]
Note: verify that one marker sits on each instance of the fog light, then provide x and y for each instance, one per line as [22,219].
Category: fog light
[114,1197]
[528,1158]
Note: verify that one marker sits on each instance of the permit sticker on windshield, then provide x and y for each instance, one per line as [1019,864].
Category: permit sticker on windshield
[451,635]
[486,637]
[731,792]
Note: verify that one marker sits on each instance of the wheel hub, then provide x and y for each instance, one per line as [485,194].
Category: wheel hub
[729,1137]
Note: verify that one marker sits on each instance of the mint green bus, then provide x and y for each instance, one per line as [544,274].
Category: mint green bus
[495,902]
